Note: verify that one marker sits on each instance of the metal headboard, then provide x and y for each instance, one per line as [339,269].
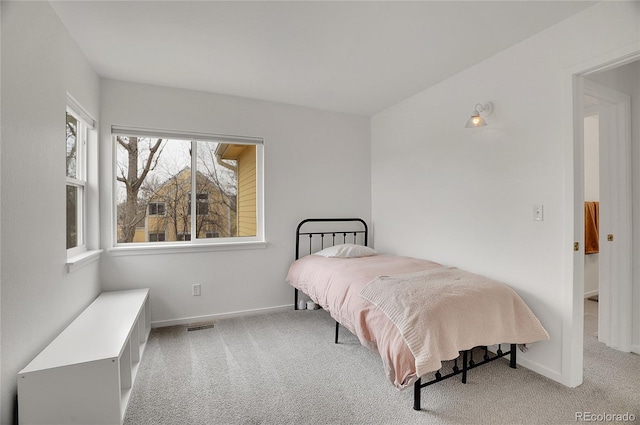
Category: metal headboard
[329,235]
[358,234]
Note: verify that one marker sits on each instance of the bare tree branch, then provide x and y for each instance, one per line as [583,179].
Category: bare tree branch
[134,213]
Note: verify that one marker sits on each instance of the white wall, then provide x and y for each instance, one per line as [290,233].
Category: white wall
[40,63]
[464,197]
[316,164]
[626,79]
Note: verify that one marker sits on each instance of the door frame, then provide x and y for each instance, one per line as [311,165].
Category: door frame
[615,261]
[573,298]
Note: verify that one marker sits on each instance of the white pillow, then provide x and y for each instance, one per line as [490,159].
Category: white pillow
[347,250]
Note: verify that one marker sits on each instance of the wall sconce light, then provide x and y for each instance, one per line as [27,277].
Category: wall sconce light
[476,120]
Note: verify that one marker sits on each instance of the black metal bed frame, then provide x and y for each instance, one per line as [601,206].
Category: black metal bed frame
[352,233]
[466,357]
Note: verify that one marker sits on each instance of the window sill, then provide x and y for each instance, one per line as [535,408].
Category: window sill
[157,248]
[80,260]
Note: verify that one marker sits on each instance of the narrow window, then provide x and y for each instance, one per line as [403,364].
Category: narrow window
[76,140]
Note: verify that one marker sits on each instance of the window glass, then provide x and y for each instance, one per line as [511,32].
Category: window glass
[157,208]
[156,237]
[76,133]
[72,145]
[158,194]
[72,216]
[230,169]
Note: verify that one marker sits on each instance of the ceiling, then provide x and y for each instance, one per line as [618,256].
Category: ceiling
[356,57]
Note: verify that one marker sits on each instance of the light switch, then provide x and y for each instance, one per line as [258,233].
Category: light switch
[538,213]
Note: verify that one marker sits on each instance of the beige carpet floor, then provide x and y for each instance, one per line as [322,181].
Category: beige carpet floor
[284,368]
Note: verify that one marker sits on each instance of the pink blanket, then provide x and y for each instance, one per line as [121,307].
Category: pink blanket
[336,285]
[442,311]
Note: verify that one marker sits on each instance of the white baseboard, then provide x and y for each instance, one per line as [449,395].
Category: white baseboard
[210,317]
[533,366]
[590,294]
[541,370]
[635,349]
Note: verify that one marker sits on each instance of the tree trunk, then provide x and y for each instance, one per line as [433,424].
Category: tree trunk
[131,219]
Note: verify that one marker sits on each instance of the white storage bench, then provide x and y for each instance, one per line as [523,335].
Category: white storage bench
[86,374]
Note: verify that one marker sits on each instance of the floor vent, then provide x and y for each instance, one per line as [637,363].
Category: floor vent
[199,326]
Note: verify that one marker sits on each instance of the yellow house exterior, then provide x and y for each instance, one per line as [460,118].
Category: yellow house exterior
[245,157]
[168,212]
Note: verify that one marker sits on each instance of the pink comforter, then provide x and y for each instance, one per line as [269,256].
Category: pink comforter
[483,311]
[335,284]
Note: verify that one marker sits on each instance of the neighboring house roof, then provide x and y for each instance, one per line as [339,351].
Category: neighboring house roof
[199,176]
[229,152]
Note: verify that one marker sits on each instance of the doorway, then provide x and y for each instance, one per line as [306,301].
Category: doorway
[606,179]
[591,216]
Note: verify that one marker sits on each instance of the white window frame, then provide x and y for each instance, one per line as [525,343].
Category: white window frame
[87,251]
[79,182]
[193,245]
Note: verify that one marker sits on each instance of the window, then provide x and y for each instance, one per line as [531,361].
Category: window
[202,203]
[157,237]
[81,140]
[187,188]
[157,208]
[76,164]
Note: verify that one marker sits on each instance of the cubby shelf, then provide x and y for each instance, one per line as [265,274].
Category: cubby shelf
[86,374]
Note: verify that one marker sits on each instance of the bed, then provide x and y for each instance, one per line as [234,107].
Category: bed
[415,313]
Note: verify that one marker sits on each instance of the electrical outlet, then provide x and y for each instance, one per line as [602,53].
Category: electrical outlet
[538,213]
[196,290]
